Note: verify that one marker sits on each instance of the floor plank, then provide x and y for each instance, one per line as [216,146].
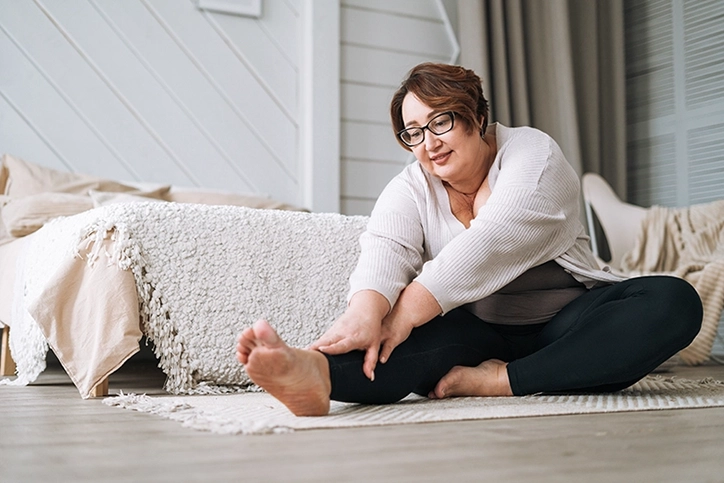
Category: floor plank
[48,433]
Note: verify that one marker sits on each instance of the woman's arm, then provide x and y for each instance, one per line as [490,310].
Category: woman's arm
[391,256]
[392,247]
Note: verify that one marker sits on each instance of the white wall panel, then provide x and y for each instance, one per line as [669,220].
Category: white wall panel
[363,178]
[229,128]
[262,54]
[367,65]
[249,97]
[374,142]
[54,118]
[395,32]
[407,8]
[22,138]
[154,90]
[366,103]
[294,5]
[357,206]
[155,104]
[381,42]
[280,22]
[72,82]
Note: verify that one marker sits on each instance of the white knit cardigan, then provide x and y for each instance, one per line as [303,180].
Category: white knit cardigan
[532,216]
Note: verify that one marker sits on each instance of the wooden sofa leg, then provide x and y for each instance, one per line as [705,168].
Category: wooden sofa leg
[101,390]
[7,364]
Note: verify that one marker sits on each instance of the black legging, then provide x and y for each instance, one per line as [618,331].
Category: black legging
[605,340]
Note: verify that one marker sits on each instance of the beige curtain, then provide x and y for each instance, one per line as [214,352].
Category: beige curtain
[557,65]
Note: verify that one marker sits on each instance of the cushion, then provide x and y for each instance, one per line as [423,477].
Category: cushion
[33,194]
[103,198]
[220,198]
[3,175]
[24,179]
[23,216]
[4,235]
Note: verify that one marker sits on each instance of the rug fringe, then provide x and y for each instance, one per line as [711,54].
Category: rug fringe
[191,417]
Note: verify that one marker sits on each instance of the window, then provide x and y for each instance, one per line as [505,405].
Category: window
[675,101]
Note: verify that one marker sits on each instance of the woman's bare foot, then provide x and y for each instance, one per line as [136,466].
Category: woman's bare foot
[298,378]
[488,379]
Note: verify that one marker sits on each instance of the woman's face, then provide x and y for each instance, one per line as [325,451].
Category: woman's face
[455,156]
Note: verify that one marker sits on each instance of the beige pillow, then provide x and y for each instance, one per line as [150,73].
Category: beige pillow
[3,175]
[4,235]
[103,198]
[220,198]
[23,216]
[24,179]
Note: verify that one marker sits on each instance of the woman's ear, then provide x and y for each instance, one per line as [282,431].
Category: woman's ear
[483,125]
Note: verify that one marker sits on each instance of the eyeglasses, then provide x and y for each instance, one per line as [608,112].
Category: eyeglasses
[439,124]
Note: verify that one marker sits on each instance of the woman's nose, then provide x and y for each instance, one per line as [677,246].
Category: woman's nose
[431,140]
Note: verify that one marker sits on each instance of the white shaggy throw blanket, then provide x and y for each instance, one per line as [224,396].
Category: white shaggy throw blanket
[203,273]
[687,243]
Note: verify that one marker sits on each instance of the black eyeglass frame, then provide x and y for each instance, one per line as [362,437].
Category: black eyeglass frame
[427,126]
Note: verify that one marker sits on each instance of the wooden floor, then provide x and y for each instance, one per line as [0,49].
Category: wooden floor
[47,433]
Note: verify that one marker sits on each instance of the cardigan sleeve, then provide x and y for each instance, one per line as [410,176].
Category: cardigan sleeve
[392,246]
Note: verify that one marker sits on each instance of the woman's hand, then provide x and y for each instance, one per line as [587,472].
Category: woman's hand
[395,330]
[415,306]
[359,328]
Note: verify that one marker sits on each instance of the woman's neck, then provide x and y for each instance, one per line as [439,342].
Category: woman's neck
[470,185]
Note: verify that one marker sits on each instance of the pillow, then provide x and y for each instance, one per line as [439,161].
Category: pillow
[23,216]
[3,175]
[221,198]
[4,235]
[24,185]
[103,198]
[24,179]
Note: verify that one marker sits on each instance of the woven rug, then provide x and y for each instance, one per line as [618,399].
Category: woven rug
[260,413]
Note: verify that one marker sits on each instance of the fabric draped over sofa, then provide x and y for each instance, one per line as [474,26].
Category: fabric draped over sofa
[201,273]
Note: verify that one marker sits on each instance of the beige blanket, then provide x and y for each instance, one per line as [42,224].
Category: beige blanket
[687,243]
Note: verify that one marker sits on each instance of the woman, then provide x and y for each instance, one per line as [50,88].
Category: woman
[475,276]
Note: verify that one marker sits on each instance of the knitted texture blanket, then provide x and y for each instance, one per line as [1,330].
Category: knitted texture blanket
[687,243]
[203,273]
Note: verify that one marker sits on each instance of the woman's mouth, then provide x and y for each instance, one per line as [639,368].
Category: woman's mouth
[440,158]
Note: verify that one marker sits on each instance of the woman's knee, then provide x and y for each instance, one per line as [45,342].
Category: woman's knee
[678,303]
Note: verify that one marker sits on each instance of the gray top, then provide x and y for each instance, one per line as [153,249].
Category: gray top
[533,298]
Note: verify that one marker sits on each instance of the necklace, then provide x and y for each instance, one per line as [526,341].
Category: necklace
[467,196]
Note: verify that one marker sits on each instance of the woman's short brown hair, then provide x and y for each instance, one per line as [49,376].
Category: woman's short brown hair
[443,87]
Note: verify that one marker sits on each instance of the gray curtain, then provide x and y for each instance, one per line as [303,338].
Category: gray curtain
[557,65]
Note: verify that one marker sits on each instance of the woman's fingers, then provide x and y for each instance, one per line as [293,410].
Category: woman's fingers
[392,336]
[370,362]
[349,333]
[340,347]
[387,347]
[345,344]
[324,341]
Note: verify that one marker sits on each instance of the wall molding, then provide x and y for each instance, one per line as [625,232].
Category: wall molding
[320,105]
